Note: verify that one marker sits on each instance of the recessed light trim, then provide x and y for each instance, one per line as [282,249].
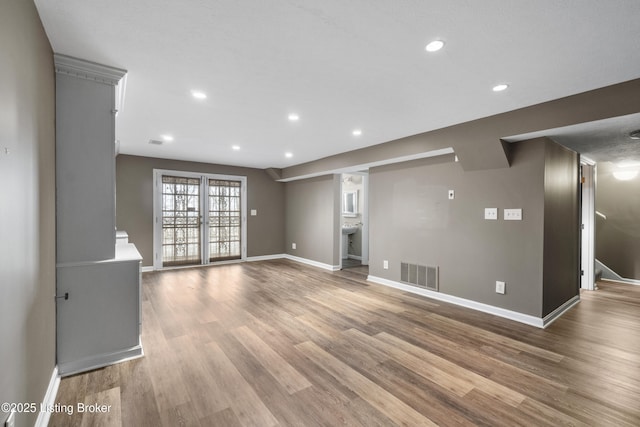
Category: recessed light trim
[293,117]
[235,147]
[500,87]
[434,46]
[357,132]
[288,155]
[166,138]
[197,94]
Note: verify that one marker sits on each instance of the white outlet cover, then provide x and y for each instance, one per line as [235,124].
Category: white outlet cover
[512,215]
[500,287]
[254,212]
[385,264]
[491,213]
[452,194]
[293,246]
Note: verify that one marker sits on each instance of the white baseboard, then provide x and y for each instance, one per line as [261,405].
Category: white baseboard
[265,257]
[610,275]
[474,305]
[359,258]
[100,361]
[147,269]
[312,262]
[555,314]
[49,399]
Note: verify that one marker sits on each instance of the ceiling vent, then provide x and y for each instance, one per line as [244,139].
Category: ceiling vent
[635,134]
[155,142]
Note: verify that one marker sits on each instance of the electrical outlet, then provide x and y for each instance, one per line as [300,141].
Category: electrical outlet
[385,264]
[11,421]
[452,194]
[500,287]
[513,214]
[254,212]
[491,213]
[293,246]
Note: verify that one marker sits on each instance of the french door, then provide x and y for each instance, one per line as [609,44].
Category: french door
[198,218]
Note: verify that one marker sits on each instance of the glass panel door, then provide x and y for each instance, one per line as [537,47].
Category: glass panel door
[180,221]
[224,219]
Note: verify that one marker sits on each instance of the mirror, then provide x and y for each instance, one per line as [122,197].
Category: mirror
[350,203]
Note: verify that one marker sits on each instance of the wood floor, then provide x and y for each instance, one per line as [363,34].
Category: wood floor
[278,343]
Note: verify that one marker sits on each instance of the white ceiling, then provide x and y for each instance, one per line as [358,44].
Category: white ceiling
[339,64]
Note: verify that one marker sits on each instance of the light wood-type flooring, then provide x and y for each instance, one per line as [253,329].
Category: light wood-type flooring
[277,343]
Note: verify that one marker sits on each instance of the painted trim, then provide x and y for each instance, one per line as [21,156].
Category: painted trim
[101,360]
[485,308]
[359,258]
[312,263]
[147,269]
[625,281]
[49,399]
[614,277]
[555,314]
[87,70]
[265,257]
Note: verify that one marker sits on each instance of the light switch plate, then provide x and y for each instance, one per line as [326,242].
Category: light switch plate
[491,213]
[513,214]
[254,212]
[500,287]
[385,264]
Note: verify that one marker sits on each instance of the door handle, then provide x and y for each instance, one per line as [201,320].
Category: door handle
[65,296]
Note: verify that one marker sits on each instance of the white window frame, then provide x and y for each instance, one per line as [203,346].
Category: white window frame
[204,211]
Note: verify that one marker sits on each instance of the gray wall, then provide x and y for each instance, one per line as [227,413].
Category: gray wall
[134,203]
[313,218]
[561,226]
[27,208]
[412,219]
[618,237]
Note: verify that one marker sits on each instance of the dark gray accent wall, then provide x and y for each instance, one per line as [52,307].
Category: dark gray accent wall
[313,219]
[134,203]
[412,220]
[618,237]
[561,272]
[27,208]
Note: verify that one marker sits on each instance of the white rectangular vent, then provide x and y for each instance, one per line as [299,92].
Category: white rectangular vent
[155,142]
[419,275]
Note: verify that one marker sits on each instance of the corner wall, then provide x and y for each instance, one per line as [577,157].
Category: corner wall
[27,208]
[618,237]
[312,219]
[134,203]
[412,220]
[561,275]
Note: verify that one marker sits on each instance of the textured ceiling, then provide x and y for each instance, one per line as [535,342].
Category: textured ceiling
[340,65]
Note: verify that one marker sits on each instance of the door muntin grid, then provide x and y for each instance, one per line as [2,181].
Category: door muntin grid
[224,222]
[180,221]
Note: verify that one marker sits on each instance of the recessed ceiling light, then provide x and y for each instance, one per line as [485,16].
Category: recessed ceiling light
[235,147]
[167,138]
[500,87]
[293,117]
[288,155]
[434,46]
[198,94]
[357,132]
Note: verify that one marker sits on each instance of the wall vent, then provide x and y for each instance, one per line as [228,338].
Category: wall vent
[419,275]
[155,142]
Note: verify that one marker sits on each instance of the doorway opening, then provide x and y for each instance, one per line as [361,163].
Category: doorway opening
[198,218]
[354,220]
[588,229]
